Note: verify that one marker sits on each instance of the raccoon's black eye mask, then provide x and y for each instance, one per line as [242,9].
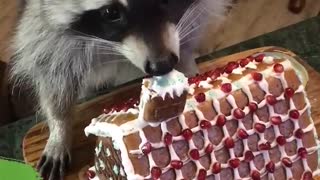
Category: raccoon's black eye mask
[109,22]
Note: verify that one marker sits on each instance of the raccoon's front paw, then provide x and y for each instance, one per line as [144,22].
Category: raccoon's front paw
[54,161]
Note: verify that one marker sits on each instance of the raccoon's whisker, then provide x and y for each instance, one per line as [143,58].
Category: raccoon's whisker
[186,16]
[188,33]
[189,25]
[188,40]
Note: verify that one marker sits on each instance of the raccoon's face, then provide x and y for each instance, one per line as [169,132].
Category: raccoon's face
[146,29]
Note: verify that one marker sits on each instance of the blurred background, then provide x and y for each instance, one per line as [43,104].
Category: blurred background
[245,20]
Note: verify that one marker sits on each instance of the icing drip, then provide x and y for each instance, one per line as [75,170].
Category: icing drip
[173,83]
[117,132]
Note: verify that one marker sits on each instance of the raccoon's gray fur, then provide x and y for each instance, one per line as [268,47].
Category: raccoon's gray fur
[63,54]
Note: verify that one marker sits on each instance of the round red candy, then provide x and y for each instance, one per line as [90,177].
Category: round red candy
[204,124]
[307,176]
[221,120]
[90,174]
[289,92]
[201,97]
[238,113]
[230,67]
[276,120]
[271,100]
[257,76]
[265,146]
[187,134]
[294,114]
[281,140]
[255,175]
[299,133]
[302,152]
[287,162]
[202,174]
[156,173]
[168,139]
[278,68]
[259,58]
[216,168]
[194,154]
[242,134]
[270,167]
[234,163]
[176,164]
[253,106]
[259,127]
[229,143]
[146,148]
[209,149]
[226,88]
[244,62]
[248,156]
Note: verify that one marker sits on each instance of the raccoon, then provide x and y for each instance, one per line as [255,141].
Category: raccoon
[66,49]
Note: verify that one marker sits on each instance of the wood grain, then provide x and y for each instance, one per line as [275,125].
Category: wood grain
[83,147]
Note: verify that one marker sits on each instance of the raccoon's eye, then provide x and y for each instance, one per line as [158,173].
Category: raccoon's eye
[111,13]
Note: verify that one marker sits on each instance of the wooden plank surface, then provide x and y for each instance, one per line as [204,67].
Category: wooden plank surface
[83,147]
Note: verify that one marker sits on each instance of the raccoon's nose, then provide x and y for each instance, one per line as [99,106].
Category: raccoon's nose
[161,67]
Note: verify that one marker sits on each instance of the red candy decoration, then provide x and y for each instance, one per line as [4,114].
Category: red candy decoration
[307,176]
[209,149]
[253,107]
[248,156]
[265,146]
[294,114]
[230,67]
[270,167]
[302,152]
[187,134]
[176,164]
[204,124]
[244,62]
[271,100]
[234,163]
[146,148]
[257,76]
[226,88]
[259,58]
[287,162]
[194,154]
[221,120]
[298,133]
[216,168]
[202,174]
[201,97]
[168,139]
[259,127]
[255,175]
[238,113]
[278,68]
[289,92]
[281,140]
[229,143]
[90,174]
[276,120]
[242,134]
[156,173]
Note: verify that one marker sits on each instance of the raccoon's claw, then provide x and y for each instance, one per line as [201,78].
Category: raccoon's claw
[53,166]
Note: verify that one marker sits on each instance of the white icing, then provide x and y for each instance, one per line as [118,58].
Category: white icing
[173,83]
